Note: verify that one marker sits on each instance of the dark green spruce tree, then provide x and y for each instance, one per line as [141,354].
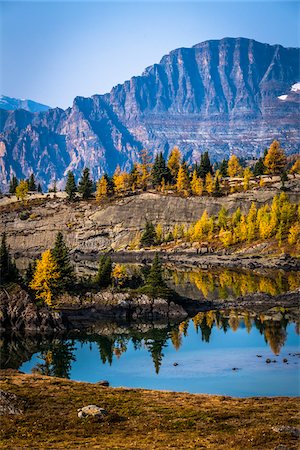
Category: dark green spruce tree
[217,188]
[224,168]
[39,188]
[71,187]
[13,184]
[31,183]
[60,253]
[149,235]
[155,285]
[85,186]
[29,273]
[160,171]
[104,275]
[8,270]
[259,168]
[110,183]
[205,165]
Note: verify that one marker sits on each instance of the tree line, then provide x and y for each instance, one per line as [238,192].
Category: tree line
[279,220]
[53,274]
[173,174]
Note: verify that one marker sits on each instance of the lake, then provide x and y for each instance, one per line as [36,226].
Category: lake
[197,356]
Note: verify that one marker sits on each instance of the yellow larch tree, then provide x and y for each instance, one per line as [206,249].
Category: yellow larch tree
[119,274]
[275,160]
[234,168]
[144,169]
[294,234]
[295,168]
[102,189]
[209,183]
[22,190]
[174,162]
[225,237]
[159,233]
[196,184]
[183,182]
[251,222]
[45,278]
[247,178]
[120,180]
[201,228]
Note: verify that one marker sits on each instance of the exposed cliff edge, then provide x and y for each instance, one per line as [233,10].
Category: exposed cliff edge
[90,228]
[233,94]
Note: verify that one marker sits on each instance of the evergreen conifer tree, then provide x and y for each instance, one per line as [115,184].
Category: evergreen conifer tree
[155,278]
[148,238]
[85,186]
[104,276]
[31,183]
[8,270]
[39,189]
[224,168]
[205,165]
[259,168]
[29,273]
[110,183]
[217,188]
[13,184]
[71,187]
[160,171]
[60,253]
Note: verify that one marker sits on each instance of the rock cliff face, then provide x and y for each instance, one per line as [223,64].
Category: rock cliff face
[88,227]
[222,96]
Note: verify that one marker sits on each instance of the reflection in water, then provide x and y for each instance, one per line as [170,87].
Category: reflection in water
[229,283]
[56,356]
[57,360]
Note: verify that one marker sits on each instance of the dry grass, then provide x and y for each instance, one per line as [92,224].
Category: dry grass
[139,419]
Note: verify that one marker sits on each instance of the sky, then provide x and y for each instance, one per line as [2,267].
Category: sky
[52,51]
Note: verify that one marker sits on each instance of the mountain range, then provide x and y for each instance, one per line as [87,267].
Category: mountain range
[10,104]
[233,95]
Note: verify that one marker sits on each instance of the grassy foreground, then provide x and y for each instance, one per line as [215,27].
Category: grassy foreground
[139,419]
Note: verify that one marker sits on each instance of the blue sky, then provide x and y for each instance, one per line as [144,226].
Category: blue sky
[52,51]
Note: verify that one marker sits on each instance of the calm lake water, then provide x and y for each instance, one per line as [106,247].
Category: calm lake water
[205,348]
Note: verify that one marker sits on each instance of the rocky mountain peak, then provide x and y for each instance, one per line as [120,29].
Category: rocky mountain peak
[223,96]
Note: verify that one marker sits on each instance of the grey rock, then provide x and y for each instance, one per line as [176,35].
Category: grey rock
[103,383]
[9,403]
[286,429]
[92,411]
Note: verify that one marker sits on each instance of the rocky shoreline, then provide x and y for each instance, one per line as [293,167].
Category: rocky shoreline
[18,312]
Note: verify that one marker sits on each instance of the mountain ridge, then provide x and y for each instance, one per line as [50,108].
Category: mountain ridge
[219,95]
[11,104]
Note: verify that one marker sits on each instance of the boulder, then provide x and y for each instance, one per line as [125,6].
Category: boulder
[92,411]
[9,403]
[292,431]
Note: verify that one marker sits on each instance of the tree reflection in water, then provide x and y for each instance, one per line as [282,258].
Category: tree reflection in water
[56,355]
[226,283]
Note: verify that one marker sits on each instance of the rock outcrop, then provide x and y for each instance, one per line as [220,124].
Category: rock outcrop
[226,95]
[18,312]
[88,227]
